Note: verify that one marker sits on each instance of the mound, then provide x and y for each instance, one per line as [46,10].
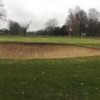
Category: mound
[43,50]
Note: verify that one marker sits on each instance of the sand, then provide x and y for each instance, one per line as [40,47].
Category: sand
[43,51]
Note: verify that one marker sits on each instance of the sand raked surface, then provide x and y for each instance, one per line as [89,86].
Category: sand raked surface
[43,51]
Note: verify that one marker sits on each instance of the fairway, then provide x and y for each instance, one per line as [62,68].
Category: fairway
[57,79]
[80,41]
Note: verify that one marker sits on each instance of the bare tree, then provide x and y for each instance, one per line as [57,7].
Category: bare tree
[93,19]
[71,22]
[26,26]
[2,11]
[51,24]
[93,14]
[76,20]
[81,20]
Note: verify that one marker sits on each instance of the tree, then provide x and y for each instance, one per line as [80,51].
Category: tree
[16,28]
[81,20]
[51,25]
[93,19]
[2,11]
[25,27]
[76,20]
[70,21]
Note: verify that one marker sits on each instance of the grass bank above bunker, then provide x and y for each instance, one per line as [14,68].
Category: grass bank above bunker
[15,50]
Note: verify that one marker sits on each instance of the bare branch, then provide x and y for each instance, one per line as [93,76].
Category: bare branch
[51,24]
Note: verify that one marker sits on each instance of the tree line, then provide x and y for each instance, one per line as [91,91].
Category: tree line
[78,23]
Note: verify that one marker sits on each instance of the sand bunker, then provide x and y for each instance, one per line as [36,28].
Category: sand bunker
[41,50]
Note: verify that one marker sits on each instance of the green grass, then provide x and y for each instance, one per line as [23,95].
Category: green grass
[55,79]
[51,79]
[81,41]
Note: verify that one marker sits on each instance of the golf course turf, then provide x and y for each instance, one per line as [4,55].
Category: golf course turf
[55,79]
[75,78]
[81,41]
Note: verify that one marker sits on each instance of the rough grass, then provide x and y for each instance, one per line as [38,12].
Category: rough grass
[55,79]
[82,41]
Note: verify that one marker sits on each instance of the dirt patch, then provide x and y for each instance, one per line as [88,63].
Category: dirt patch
[42,50]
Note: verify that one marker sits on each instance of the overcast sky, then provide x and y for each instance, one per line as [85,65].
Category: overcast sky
[42,10]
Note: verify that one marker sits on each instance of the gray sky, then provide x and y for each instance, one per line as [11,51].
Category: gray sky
[42,10]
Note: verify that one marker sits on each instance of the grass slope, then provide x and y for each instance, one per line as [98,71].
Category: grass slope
[82,41]
[56,79]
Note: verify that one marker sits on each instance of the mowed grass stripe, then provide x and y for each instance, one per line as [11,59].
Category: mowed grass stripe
[55,79]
